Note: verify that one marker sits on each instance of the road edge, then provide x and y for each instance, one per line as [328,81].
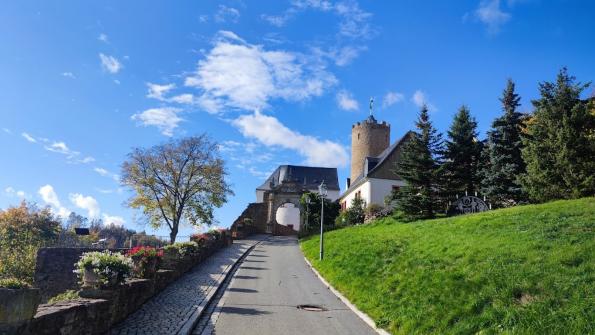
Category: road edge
[365,317]
[190,324]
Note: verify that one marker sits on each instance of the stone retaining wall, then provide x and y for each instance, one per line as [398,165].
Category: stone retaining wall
[54,270]
[98,310]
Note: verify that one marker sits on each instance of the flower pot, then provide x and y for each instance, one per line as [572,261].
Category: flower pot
[145,267]
[17,306]
[91,279]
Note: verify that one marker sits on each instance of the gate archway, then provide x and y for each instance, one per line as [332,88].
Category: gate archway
[288,214]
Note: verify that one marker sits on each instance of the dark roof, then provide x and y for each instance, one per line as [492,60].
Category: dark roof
[309,177]
[373,163]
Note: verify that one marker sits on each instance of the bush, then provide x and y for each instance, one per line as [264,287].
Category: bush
[110,268]
[64,296]
[13,283]
[145,260]
[183,248]
[23,230]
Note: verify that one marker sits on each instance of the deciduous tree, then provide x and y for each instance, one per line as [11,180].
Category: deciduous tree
[182,180]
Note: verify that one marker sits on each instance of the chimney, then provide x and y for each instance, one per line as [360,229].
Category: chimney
[348,182]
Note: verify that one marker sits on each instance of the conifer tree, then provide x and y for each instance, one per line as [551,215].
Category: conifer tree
[462,154]
[418,167]
[560,143]
[503,161]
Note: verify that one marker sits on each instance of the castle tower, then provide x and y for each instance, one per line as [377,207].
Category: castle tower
[368,139]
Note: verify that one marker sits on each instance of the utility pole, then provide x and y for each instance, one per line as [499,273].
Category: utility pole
[322,190]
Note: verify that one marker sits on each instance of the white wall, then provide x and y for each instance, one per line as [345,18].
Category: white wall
[373,191]
[288,214]
[365,193]
[381,188]
[259,196]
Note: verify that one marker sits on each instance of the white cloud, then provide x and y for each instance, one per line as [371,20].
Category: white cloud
[110,63]
[491,15]
[270,132]
[225,14]
[49,196]
[157,91]
[29,137]
[103,38]
[115,220]
[61,148]
[346,55]
[101,171]
[11,192]
[392,98]
[346,101]
[6,130]
[354,22]
[236,74]
[420,99]
[87,203]
[86,160]
[166,119]
[203,18]
[183,98]
[68,75]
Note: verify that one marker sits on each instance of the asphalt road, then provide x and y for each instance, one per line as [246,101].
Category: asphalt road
[263,295]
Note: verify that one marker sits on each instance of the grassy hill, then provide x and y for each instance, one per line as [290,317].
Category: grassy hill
[523,270]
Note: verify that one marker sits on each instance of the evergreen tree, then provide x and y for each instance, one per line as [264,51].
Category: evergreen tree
[462,154]
[503,162]
[418,168]
[559,143]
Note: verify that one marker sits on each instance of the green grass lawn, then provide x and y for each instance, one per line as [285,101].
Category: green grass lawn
[523,270]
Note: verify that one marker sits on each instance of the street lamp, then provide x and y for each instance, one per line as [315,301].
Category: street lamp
[307,225]
[322,191]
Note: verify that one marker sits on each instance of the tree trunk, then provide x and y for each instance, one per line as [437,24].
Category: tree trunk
[173,234]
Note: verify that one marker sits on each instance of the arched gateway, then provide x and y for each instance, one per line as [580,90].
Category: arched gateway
[278,199]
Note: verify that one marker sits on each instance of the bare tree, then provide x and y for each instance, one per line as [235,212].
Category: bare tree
[182,180]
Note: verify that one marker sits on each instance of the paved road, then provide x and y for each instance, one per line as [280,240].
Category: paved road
[263,294]
[170,310]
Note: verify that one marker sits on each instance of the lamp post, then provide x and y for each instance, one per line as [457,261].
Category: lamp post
[322,191]
[307,225]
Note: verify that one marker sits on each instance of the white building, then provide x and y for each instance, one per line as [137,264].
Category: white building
[373,163]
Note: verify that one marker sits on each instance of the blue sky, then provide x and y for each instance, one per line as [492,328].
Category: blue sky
[275,82]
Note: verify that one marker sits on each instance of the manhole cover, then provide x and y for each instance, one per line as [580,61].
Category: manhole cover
[311,308]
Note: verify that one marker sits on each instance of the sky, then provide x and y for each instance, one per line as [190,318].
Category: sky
[273,82]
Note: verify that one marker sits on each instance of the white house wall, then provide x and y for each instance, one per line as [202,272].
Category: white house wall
[365,193]
[373,191]
[380,188]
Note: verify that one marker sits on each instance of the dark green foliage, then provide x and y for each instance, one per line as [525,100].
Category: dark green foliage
[559,143]
[418,167]
[502,162]
[521,270]
[356,213]
[462,155]
[311,213]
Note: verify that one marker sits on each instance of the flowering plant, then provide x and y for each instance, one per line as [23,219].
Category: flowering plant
[145,260]
[103,269]
[144,252]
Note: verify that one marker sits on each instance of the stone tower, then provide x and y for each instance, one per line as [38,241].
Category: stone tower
[368,139]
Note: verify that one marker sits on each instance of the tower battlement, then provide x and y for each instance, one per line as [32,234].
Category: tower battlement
[368,139]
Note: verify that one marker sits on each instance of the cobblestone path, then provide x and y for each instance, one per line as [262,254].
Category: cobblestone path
[170,310]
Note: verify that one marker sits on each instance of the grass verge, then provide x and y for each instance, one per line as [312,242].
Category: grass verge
[523,270]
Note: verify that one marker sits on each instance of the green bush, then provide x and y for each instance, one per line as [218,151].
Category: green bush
[183,248]
[110,267]
[13,283]
[64,296]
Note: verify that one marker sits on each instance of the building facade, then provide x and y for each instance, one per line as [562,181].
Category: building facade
[373,162]
[277,208]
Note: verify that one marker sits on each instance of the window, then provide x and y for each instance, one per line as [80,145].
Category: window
[358,136]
